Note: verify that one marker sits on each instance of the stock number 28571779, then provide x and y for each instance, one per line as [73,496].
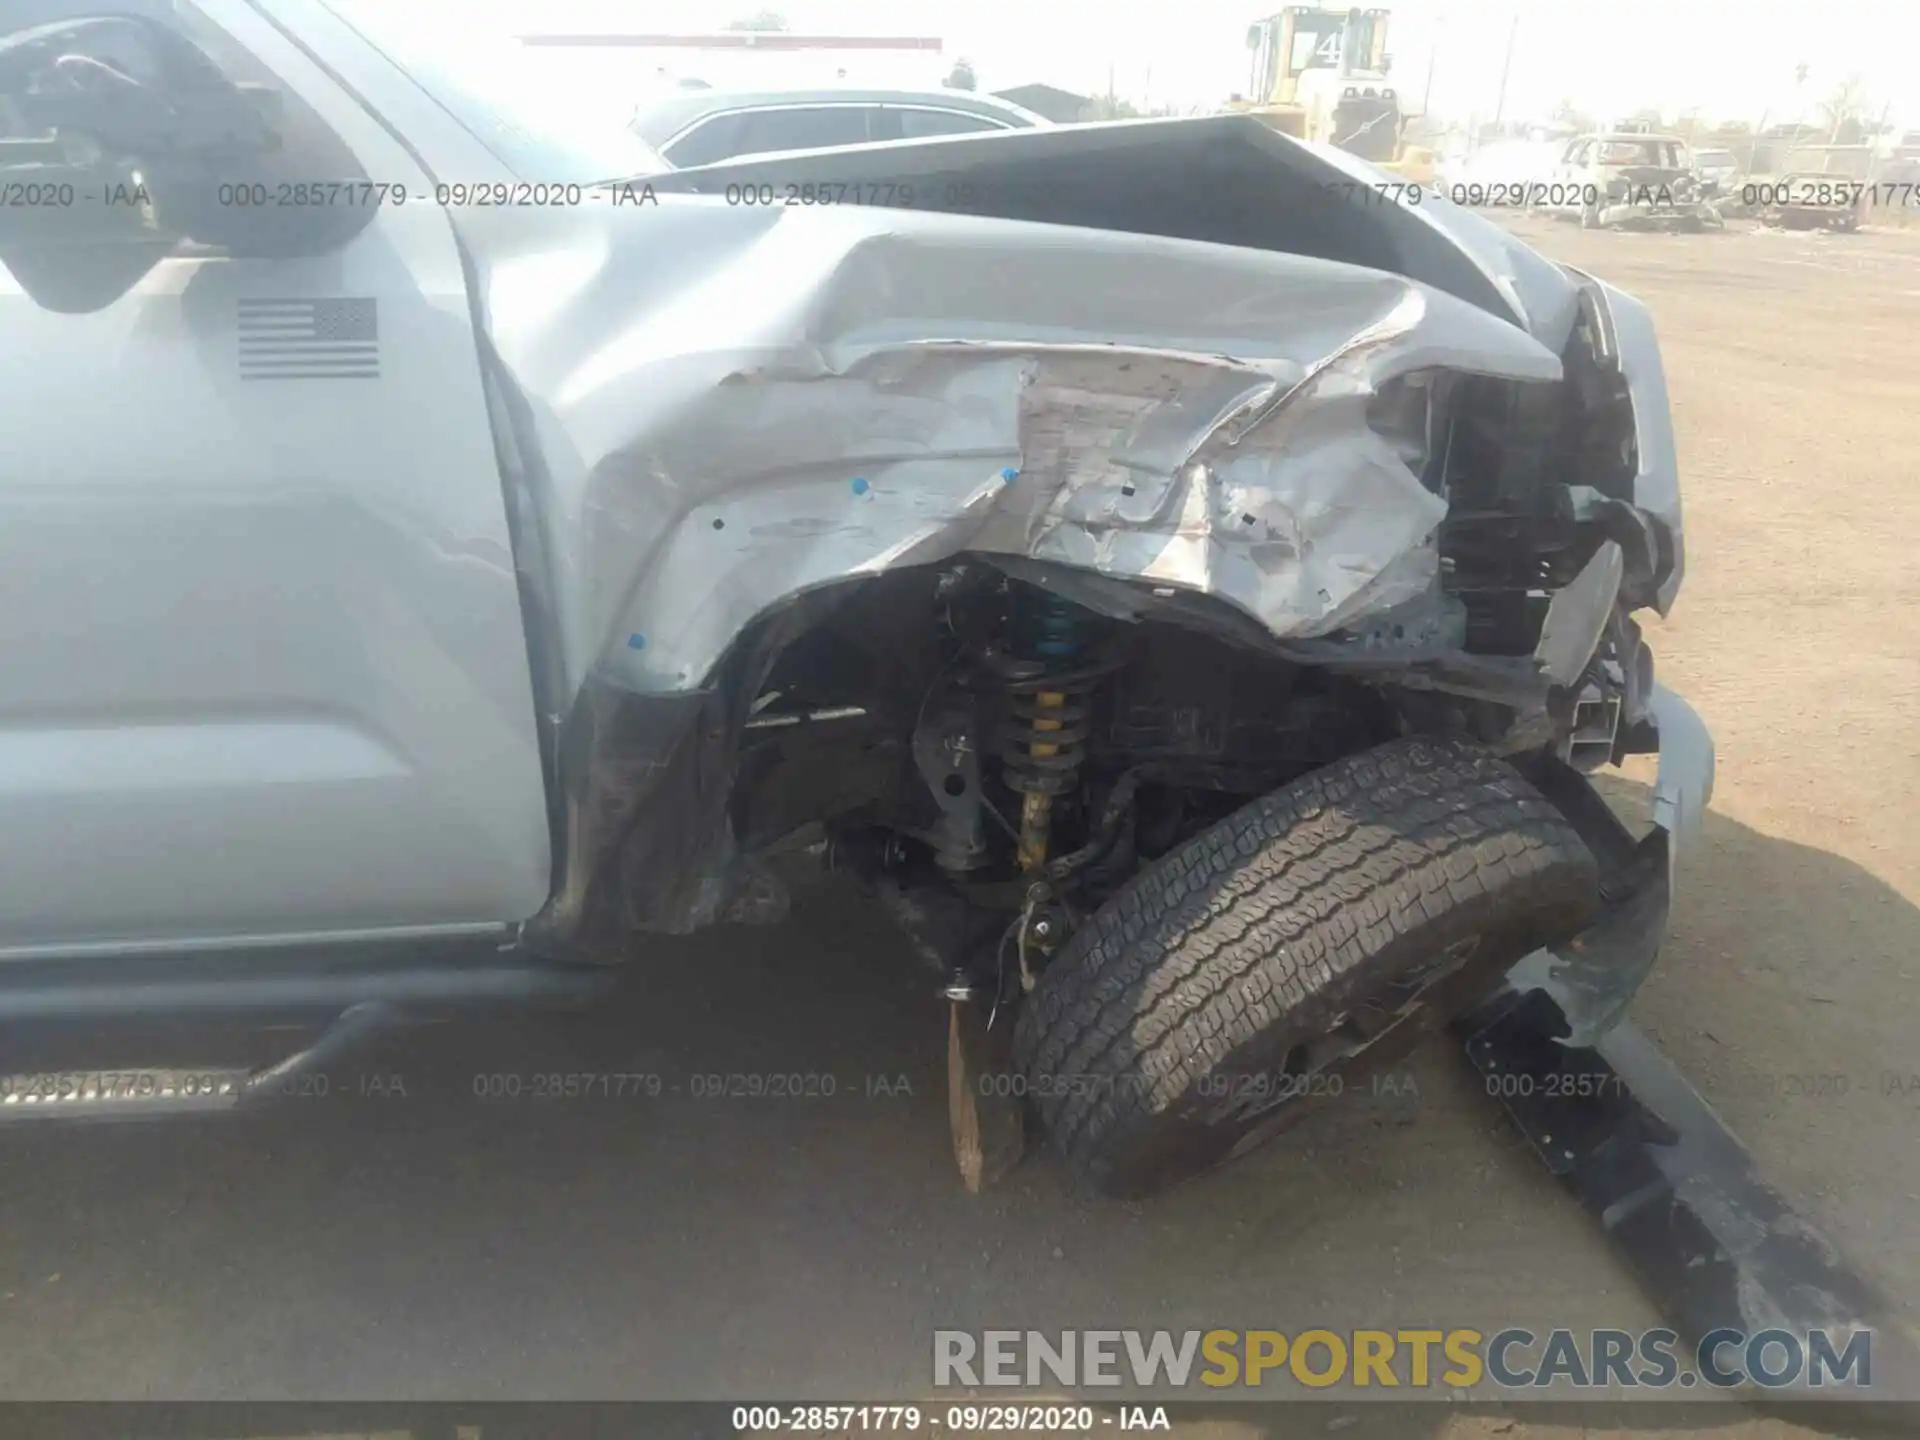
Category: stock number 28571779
[887,194]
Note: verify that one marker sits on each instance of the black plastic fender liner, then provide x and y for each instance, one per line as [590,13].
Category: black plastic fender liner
[1679,1197]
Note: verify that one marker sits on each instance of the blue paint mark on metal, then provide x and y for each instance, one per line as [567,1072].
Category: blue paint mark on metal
[636,642]
[860,486]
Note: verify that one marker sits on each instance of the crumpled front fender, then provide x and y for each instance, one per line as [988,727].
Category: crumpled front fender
[1192,366]
[734,406]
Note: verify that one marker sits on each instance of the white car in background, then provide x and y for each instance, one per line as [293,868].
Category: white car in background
[703,126]
[1718,168]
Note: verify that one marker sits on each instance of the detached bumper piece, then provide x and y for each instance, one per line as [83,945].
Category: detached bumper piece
[1677,1194]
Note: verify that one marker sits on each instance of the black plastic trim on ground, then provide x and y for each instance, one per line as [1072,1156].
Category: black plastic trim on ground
[1675,1191]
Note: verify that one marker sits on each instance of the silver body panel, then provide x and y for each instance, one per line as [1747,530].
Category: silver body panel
[266,677]
[268,673]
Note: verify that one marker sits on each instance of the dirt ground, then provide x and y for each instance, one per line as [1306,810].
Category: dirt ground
[437,1245]
[1787,992]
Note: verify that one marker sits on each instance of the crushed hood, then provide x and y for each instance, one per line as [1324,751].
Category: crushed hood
[1191,356]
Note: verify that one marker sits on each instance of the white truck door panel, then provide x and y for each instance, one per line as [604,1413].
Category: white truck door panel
[263,674]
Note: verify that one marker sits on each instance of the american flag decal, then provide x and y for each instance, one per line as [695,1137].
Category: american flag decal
[309,339]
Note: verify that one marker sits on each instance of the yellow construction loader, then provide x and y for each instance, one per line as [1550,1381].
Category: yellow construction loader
[1320,74]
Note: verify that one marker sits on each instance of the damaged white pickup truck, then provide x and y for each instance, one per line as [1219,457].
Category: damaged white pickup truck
[1185,582]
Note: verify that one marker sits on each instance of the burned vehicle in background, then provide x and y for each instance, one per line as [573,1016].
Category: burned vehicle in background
[1820,187]
[1190,597]
[1632,178]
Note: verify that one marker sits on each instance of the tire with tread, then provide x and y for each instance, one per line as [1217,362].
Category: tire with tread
[1418,871]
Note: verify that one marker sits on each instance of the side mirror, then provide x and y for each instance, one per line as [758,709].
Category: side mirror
[120,138]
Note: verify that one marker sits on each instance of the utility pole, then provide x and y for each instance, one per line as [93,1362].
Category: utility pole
[1433,54]
[1506,65]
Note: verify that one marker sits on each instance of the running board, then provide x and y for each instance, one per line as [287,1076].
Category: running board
[117,1094]
[142,1094]
[347,995]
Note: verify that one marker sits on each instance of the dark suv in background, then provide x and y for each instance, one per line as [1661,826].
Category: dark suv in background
[704,127]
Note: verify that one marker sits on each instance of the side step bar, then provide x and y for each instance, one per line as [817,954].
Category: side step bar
[132,1094]
[347,997]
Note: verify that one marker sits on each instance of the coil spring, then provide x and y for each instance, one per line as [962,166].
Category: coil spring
[1049,710]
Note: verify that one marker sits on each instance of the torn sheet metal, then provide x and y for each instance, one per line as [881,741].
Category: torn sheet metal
[734,406]
[1191,364]
[1230,179]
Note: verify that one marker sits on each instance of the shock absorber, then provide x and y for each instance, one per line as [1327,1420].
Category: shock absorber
[1048,679]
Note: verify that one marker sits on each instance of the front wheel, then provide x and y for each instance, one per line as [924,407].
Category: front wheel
[1301,943]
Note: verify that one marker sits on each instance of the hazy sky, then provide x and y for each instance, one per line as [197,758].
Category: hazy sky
[1725,58]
